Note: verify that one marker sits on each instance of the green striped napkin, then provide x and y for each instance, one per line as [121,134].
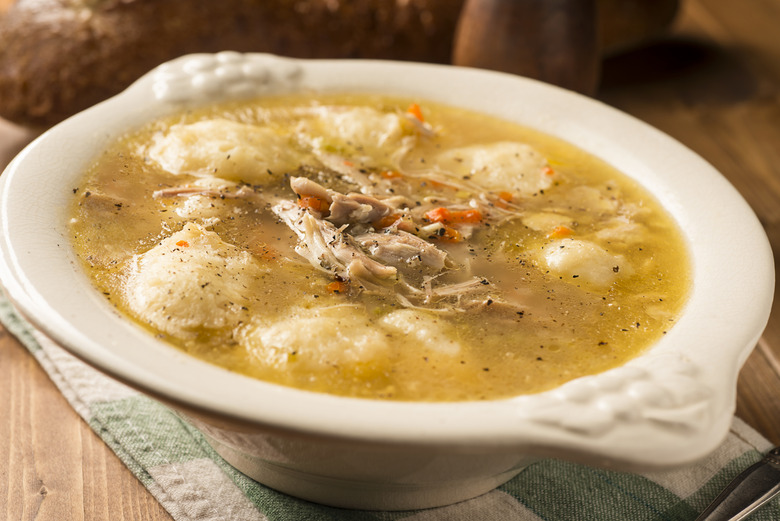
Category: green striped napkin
[192,482]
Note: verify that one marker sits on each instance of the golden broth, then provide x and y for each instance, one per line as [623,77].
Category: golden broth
[572,271]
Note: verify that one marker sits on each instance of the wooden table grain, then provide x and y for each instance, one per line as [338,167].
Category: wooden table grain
[713,84]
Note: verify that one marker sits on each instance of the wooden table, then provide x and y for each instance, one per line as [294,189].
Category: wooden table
[714,85]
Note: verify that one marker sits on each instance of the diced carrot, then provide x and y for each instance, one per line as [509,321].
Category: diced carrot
[465,216]
[548,170]
[414,110]
[182,243]
[386,221]
[560,232]
[337,286]
[450,235]
[313,203]
[391,174]
[437,215]
[443,215]
[438,184]
[349,163]
[504,198]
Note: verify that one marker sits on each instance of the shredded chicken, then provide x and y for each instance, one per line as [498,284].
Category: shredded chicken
[358,208]
[305,186]
[343,209]
[389,261]
[225,192]
[329,249]
[421,127]
[399,247]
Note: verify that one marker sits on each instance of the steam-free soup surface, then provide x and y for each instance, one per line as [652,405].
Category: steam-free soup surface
[376,247]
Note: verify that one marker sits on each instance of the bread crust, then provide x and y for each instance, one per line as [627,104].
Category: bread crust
[58,57]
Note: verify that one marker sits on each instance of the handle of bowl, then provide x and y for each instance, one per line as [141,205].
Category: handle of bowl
[551,40]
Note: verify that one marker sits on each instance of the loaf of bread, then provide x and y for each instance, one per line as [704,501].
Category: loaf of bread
[60,56]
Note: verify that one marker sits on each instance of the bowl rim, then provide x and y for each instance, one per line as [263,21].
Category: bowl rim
[669,406]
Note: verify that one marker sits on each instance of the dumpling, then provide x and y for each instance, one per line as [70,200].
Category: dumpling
[622,229]
[358,131]
[225,149]
[584,261]
[594,201]
[505,166]
[546,221]
[424,330]
[316,340]
[190,282]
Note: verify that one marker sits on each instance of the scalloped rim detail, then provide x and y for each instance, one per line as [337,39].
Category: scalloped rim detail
[199,78]
[659,389]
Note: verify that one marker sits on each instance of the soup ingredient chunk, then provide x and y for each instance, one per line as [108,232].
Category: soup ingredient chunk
[508,166]
[312,341]
[428,332]
[225,149]
[362,133]
[191,282]
[584,260]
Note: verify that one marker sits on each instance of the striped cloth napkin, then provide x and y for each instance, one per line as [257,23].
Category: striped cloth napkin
[174,462]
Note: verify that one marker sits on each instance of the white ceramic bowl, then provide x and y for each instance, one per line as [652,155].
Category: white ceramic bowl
[668,407]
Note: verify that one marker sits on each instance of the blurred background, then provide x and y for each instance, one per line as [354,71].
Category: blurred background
[58,57]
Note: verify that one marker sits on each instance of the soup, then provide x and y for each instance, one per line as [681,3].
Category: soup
[378,247]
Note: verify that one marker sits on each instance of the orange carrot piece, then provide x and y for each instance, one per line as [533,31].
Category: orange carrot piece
[386,221]
[182,243]
[465,216]
[560,232]
[438,184]
[337,286]
[391,174]
[504,198]
[313,203]
[437,215]
[443,215]
[414,110]
[450,235]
